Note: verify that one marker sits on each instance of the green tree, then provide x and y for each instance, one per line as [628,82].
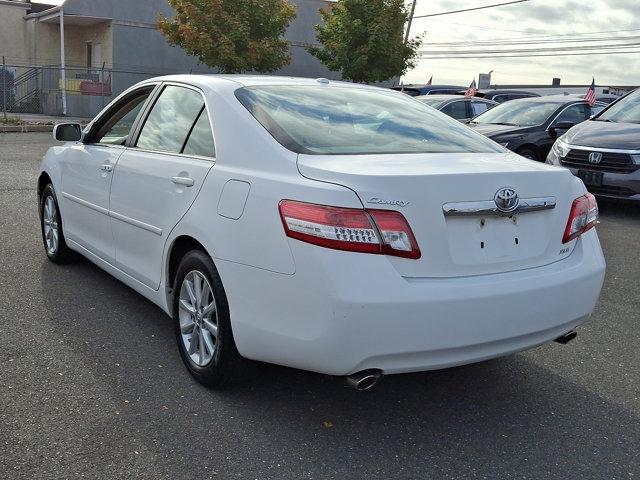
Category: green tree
[363,39]
[231,35]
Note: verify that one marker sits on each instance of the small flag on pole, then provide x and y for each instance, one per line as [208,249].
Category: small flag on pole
[430,80]
[590,97]
[472,90]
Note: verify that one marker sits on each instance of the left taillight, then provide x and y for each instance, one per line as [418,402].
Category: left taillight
[582,217]
[356,230]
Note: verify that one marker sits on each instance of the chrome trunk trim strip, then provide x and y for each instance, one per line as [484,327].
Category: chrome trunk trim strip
[488,207]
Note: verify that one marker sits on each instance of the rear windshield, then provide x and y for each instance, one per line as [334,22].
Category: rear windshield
[325,120]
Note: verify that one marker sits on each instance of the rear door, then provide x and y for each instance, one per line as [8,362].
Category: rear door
[158,178]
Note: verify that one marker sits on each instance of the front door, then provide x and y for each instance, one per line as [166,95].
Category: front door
[158,178]
[87,172]
[86,180]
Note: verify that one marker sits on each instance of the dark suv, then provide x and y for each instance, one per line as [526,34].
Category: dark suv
[605,151]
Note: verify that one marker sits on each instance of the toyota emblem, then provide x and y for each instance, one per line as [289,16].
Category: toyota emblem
[506,199]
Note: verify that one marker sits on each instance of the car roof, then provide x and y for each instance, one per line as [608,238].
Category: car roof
[559,99]
[212,80]
[430,87]
[441,97]
[498,91]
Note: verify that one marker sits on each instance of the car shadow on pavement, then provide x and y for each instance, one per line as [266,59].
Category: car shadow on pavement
[498,419]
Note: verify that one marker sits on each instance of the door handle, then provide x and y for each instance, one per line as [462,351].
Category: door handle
[186,181]
[106,168]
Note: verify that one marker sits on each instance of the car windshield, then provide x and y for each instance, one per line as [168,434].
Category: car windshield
[345,120]
[519,113]
[626,110]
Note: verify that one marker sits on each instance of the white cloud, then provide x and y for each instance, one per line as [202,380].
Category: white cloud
[537,17]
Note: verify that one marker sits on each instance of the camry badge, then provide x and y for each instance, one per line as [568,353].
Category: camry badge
[595,157]
[382,201]
[506,199]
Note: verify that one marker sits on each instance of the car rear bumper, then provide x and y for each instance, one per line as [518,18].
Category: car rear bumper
[342,312]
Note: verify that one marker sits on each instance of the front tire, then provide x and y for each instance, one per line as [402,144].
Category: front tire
[51,227]
[203,326]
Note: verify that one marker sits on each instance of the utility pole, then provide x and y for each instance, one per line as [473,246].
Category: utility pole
[410,21]
[63,73]
[4,89]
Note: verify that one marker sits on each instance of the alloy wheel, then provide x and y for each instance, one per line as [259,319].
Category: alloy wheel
[50,222]
[198,318]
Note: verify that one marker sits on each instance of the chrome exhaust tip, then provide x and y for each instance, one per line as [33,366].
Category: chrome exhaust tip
[567,337]
[364,380]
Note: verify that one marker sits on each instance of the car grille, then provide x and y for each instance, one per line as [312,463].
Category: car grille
[611,162]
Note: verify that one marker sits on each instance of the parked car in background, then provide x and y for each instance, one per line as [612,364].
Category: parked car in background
[605,151]
[458,106]
[320,211]
[418,90]
[529,126]
[502,96]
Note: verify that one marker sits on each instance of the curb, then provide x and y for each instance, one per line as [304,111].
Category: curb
[25,128]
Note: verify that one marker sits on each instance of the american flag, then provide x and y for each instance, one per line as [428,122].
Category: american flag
[590,97]
[471,91]
[430,80]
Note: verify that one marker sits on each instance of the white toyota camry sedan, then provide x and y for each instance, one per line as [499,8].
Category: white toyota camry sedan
[326,226]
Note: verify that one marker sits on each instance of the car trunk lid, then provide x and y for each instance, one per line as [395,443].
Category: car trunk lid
[420,185]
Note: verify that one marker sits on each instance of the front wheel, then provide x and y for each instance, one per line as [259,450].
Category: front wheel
[202,324]
[51,226]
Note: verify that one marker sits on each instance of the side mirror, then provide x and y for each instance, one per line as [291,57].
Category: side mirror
[67,132]
[563,125]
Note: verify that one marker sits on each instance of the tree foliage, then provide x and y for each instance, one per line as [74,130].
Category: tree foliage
[231,35]
[363,39]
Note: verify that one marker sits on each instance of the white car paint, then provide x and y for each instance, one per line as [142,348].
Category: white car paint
[331,311]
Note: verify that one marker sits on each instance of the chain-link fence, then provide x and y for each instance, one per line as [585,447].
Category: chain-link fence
[48,90]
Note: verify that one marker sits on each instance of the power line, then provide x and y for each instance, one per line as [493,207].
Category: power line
[470,9]
[529,55]
[532,41]
[531,50]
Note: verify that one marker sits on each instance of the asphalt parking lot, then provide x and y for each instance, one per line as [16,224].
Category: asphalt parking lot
[91,385]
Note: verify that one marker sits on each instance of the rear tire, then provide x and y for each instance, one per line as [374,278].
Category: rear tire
[55,245]
[530,154]
[203,326]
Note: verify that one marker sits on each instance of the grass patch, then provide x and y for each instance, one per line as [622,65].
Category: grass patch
[10,120]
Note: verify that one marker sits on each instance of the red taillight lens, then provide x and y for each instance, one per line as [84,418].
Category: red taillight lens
[353,229]
[582,217]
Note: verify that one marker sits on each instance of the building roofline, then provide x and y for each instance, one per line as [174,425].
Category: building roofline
[11,3]
[44,13]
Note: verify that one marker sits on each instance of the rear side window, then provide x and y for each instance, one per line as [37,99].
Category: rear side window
[457,110]
[200,141]
[479,107]
[328,120]
[170,120]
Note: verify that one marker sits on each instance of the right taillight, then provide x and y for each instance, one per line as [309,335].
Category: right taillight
[357,230]
[582,217]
